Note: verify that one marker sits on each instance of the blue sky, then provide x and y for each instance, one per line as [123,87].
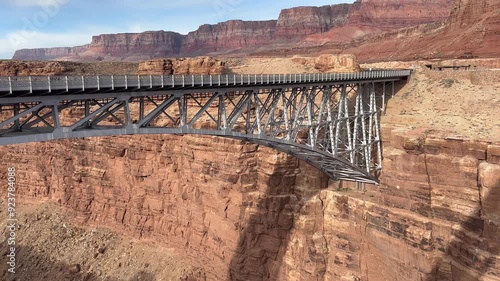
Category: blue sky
[65,23]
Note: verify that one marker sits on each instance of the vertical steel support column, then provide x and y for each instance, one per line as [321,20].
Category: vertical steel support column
[222,117]
[128,117]
[55,116]
[357,105]
[331,124]
[310,116]
[363,128]
[183,110]
[326,96]
[17,108]
[87,111]
[286,108]
[249,108]
[383,97]
[141,108]
[298,109]
[347,122]
[257,115]
[274,104]
[378,138]
[373,111]
[340,113]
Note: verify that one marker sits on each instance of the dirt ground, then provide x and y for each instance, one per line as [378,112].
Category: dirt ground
[50,246]
[464,103]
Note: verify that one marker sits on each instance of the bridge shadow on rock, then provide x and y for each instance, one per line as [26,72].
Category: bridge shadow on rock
[474,248]
[264,240]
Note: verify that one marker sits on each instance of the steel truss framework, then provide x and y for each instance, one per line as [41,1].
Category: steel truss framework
[334,126]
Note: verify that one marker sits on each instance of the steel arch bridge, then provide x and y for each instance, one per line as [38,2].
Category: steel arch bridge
[328,120]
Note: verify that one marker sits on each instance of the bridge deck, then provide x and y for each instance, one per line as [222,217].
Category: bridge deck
[67,85]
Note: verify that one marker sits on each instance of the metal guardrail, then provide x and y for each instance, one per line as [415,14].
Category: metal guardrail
[48,84]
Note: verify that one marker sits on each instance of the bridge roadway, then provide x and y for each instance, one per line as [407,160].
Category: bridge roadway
[329,120]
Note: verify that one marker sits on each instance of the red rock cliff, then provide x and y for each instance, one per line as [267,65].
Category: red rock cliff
[467,12]
[49,53]
[336,22]
[299,21]
[153,44]
[130,46]
[229,35]
[473,27]
[393,14]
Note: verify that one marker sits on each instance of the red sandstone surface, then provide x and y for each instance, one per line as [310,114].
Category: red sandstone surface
[473,27]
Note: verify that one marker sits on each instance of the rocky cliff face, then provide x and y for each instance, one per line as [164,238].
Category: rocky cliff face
[309,20]
[199,65]
[49,53]
[473,27]
[229,35]
[394,14]
[244,212]
[466,12]
[123,46]
[13,68]
[339,23]
[154,44]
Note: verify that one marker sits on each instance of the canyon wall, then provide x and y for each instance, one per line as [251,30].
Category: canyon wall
[229,35]
[50,53]
[153,44]
[310,20]
[339,23]
[473,27]
[394,14]
[245,212]
[122,46]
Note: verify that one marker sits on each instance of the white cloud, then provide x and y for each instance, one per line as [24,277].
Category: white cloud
[38,3]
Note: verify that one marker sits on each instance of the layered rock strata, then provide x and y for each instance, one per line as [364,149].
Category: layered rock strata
[198,65]
[339,23]
[250,213]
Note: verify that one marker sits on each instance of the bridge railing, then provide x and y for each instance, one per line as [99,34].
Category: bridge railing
[66,83]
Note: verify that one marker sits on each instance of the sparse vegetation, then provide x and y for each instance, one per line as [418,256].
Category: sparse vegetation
[447,83]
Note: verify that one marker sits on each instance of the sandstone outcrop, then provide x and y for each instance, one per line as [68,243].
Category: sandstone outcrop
[198,65]
[394,14]
[13,68]
[298,21]
[473,27]
[124,45]
[336,63]
[229,35]
[50,53]
[330,63]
